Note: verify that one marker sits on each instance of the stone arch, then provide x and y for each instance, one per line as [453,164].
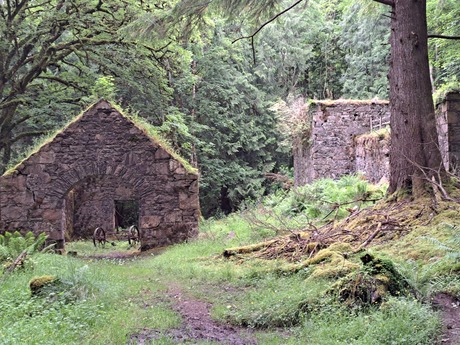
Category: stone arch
[90,203]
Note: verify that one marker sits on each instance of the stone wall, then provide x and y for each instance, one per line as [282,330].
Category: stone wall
[334,127]
[93,199]
[72,182]
[343,139]
[372,155]
[448,123]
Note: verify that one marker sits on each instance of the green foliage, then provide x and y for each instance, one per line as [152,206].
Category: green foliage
[104,87]
[443,19]
[236,136]
[451,85]
[13,244]
[399,321]
[451,246]
[271,301]
[365,39]
[325,197]
[372,284]
[301,55]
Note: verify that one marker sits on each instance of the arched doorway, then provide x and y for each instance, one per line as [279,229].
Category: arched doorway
[105,201]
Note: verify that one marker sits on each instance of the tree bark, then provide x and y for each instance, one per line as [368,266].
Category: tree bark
[414,154]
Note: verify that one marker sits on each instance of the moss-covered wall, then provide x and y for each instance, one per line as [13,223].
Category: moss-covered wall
[330,150]
[343,139]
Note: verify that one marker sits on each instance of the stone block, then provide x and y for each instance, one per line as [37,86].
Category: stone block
[47,157]
[188,201]
[173,217]
[150,221]
[13,213]
[161,154]
[52,215]
[162,168]
[453,118]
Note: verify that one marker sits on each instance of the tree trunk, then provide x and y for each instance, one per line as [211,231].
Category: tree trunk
[414,155]
[6,133]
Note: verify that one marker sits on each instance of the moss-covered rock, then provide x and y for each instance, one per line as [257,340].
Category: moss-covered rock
[370,284]
[40,285]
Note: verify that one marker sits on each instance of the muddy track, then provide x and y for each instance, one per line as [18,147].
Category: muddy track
[449,308]
[197,325]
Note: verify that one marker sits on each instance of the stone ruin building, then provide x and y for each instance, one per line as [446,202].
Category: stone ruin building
[346,136]
[102,170]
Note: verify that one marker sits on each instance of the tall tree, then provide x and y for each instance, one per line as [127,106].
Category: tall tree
[56,41]
[236,136]
[414,153]
[414,156]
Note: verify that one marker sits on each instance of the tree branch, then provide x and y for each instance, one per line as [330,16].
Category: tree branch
[62,81]
[27,134]
[444,37]
[268,22]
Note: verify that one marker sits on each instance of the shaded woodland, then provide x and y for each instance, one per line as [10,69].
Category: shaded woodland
[184,67]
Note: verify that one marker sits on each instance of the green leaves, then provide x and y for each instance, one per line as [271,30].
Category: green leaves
[443,19]
[13,244]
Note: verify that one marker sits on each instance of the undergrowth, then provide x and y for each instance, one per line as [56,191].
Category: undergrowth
[319,202]
[116,297]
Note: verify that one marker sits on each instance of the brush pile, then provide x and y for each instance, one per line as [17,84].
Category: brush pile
[374,225]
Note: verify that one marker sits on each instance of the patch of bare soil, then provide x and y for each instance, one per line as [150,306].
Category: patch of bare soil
[127,254]
[197,325]
[449,307]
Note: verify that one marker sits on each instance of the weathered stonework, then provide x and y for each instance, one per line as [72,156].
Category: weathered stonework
[448,123]
[69,187]
[330,150]
[342,139]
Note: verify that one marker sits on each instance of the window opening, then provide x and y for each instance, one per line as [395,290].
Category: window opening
[126,213]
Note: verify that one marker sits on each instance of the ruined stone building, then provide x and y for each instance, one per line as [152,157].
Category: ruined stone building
[345,137]
[102,170]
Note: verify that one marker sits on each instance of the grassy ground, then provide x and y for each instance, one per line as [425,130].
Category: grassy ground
[108,297]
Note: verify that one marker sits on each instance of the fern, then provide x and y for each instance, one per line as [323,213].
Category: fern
[4,253]
[452,245]
[37,244]
[13,244]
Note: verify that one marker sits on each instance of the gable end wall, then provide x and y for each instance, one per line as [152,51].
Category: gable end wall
[101,145]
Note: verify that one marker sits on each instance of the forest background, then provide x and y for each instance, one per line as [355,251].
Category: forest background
[222,103]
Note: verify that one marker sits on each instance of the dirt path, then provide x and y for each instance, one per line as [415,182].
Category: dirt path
[197,325]
[449,308]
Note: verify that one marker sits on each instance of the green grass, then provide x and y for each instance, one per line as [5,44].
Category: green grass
[400,321]
[108,300]
[113,298]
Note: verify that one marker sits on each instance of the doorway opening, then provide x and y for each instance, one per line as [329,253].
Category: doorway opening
[126,214]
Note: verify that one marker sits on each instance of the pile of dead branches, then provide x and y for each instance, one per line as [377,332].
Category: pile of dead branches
[374,225]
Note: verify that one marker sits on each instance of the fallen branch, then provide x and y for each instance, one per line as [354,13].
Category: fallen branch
[247,249]
[371,237]
[19,260]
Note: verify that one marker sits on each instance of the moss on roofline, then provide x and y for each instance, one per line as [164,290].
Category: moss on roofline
[152,132]
[148,129]
[332,103]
